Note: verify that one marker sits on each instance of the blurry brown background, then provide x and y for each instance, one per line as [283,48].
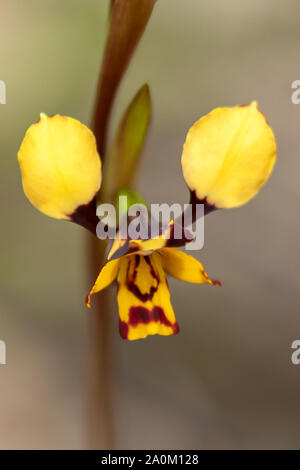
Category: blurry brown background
[226,381]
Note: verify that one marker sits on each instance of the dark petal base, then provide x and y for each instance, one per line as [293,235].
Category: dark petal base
[85,216]
[208,208]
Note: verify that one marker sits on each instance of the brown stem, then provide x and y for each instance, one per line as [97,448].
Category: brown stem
[128,19]
[100,419]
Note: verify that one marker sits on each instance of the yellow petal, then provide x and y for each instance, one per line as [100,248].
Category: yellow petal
[228,154]
[122,247]
[107,275]
[184,267]
[60,165]
[147,246]
[144,298]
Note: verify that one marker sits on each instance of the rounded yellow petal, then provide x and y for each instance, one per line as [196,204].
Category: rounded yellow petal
[228,154]
[60,165]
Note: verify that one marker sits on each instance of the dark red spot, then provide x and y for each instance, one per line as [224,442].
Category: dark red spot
[123,328]
[142,315]
[139,315]
[216,282]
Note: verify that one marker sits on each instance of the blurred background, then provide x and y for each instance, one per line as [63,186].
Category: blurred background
[226,381]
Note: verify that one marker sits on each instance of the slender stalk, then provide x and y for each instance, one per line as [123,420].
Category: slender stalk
[100,419]
[128,19]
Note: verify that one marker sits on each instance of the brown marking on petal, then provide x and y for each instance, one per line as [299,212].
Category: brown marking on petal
[152,271]
[137,261]
[208,207]
[142,315]
[134,246]
[123,328]
[139,315]
[130,283]
[215,282]
[185,235]
[85,215]
[133,249]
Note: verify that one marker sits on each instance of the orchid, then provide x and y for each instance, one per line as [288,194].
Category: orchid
[227,156]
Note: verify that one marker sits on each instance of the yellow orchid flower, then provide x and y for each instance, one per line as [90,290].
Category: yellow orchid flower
[143,294]
[227,156]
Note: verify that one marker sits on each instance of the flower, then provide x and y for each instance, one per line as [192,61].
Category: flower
[143,293]
[227,156]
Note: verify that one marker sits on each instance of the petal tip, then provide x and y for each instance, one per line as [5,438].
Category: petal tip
[88,301]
